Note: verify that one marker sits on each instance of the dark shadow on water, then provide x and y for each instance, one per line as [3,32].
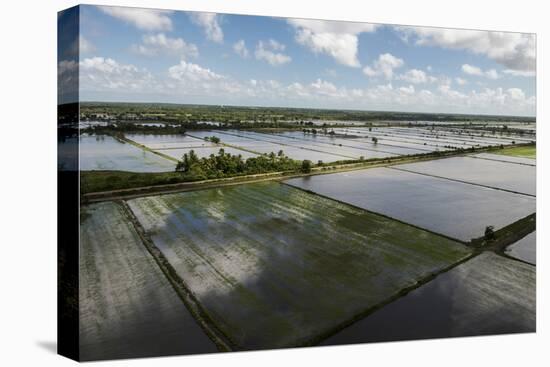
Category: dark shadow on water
[48,345]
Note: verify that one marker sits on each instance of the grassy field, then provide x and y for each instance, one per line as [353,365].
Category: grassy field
[274,266]
[127,307]
[94,181]
[523,151]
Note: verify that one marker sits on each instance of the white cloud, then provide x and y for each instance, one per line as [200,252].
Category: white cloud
[145,19]
[472,70]
[324,88]
[85,46]
[100,74]
[187,71]
[492,74]
[240,49]
[516,51]
[416,76]
[267,51]
[209,23]
[461,81]
[476,71]
[384,66]
[519,73]
[185,81]
[155,44]
[336,39]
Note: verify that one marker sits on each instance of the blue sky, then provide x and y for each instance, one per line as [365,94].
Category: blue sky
[140,55]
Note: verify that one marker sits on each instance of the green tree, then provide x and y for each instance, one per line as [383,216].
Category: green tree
[306,166]
[489,233]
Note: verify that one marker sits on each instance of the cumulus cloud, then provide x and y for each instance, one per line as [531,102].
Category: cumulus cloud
[336,39]
[270,52]
[145,19]
[85,46]
[240,49]
[209,23]
[476,71]
[384,66]
[99,74]
[187,71]
[516,51]
[187,79]
[417,76]
[519,73]
[156,44]
[461,81]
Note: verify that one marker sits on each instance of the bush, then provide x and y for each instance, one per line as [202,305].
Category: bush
[306,166]
[489,233]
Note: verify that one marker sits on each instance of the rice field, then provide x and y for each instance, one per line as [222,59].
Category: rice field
[524,249]
[324,259]
[487,295]
[455,209]
[127,306]
[107,153]
[206,152]
[496,174]
[506,158]
[330,145]
[274,266]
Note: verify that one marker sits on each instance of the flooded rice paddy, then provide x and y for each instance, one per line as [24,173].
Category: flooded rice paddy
[455,209]
[127,307]
[487,295]
[496,174]
[275,266]
[525,249]
[107,153]
[506,158]
[313,259]
[327,145]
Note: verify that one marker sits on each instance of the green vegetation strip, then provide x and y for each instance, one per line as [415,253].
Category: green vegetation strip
[528,151]
[106,185]
[499,240]
[273,266]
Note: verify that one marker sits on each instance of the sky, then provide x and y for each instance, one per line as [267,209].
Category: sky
[145,55]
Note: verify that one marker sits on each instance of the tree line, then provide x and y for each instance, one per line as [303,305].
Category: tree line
[227,165]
